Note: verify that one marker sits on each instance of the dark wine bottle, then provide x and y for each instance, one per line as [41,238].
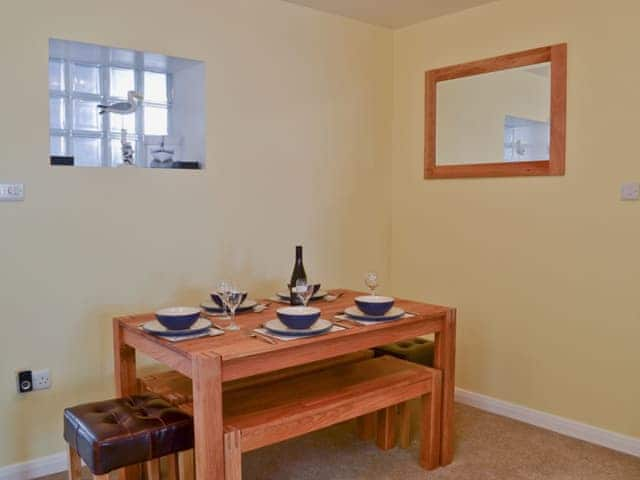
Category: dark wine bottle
[297,274]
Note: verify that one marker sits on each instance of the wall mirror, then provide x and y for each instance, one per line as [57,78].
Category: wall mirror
[113,107]
[499,117]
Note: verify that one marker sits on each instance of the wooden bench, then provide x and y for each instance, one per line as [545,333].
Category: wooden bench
[257,416]
[177,389]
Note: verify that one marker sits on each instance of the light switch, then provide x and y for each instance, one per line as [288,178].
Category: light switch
[11,192]
[630,191]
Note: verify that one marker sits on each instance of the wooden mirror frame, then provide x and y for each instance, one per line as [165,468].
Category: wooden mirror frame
[557,56]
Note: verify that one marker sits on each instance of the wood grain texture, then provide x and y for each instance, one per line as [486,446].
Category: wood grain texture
[431,445]
[233,455]
[153,469]
[299,405]
[186,465]
[178,389]
[444,360]
[124,357]
[557,56]
[143,342]
[235,355]
[558,109]
[207,416]
[75,464]
[386,434]
[173,473]
[404,415]
[366,426]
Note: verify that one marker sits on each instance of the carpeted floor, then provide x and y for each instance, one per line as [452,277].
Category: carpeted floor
[488,447]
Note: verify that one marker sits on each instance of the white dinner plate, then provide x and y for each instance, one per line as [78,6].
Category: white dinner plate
[156,328]
[394,314]
[321,326]
[316,296]
[215,308]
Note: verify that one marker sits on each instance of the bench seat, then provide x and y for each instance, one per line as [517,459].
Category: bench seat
[255,417]
[177,388]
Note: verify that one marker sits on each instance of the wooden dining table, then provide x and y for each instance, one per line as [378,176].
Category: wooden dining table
[211,361]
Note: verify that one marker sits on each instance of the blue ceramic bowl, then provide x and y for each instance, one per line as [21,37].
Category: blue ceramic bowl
[178,318]
[374,305]
[298,318]
[215,296]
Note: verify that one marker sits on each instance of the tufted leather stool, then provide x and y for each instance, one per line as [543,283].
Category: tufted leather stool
[416,350]
[122,432]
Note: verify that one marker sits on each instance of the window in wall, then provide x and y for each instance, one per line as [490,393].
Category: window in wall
[76,126]
[153,108]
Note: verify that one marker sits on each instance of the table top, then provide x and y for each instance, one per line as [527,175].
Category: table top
[249,355]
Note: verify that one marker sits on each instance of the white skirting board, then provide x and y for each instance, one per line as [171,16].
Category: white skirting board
[38,467]
[570,428]
[58,462]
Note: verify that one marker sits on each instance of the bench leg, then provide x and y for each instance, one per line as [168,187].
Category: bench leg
[172,467]
[405,424]
[386,428]
[153,469]
[430,427]
[185,465]
[366,426]
[75,465]
[232,456]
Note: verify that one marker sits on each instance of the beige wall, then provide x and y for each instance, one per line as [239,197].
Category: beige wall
[299,110]
[471,112]
[298,146]
[544,270]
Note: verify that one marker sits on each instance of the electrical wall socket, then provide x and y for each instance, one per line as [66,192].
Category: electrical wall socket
[24,379]
[41,379]
[11,192]
[630,191]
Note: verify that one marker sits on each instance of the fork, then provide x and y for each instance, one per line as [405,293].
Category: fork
[261,308]
[263,337]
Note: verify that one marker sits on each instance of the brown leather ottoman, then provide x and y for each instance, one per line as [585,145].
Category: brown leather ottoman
[121,432]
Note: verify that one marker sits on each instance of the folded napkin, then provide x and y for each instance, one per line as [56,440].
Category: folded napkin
[286,338]
[370,322]
[277,299]
[212,332]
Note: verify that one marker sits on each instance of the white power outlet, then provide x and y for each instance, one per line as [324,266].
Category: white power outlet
[41,379]
[630,191]
[11,192]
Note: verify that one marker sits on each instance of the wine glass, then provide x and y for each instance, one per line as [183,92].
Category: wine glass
[223,289]
[232,299]
[371,281]
[304,290]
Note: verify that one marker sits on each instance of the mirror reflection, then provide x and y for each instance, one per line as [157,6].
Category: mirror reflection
[502,116]
[111,107]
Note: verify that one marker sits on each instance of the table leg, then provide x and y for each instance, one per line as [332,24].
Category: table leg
[207,417]
[444,360]
[124,358]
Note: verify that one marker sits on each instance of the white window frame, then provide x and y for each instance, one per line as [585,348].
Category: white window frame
[105,134]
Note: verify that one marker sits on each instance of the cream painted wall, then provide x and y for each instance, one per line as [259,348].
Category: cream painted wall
[471,113]
[298,145]
[299,114]
[544,271]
